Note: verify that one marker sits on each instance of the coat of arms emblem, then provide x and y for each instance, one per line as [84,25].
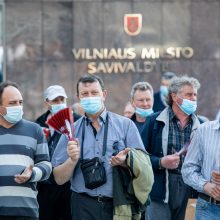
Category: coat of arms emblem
[132,24]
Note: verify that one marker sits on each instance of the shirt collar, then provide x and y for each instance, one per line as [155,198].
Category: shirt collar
[216,125]
[173,116]
[102,117]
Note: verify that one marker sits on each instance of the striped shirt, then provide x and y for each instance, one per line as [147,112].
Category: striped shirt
[21,146]
[121,130]
[203,155]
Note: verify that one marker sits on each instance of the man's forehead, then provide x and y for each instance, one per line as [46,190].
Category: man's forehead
[11,91]
[139,92]
[129,108]
[165,82]
[85,85]
[188,88]
[11,94]
[142,91]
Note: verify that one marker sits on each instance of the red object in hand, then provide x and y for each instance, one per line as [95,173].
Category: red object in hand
[62,122]
[46,132]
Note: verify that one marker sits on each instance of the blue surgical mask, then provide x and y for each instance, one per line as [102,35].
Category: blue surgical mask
[144,112]
[164,91]
[57,107]
[188,106]
[91,105]
[14,114]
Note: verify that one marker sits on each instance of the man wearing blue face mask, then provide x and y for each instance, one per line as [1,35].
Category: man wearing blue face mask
[54,200]
[104,137]
[160,97]
[142,100]
[166,136]
[24,157]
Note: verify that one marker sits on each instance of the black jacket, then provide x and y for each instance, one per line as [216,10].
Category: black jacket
[52,140]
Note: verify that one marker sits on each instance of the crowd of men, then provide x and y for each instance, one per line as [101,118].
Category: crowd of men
[145,165]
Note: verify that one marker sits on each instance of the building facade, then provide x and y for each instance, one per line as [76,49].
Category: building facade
[56,41]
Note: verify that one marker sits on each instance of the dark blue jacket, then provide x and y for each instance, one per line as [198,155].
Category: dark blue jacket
[151,136]
[158,103]
[155,138]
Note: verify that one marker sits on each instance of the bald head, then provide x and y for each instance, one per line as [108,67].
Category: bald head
[10,94]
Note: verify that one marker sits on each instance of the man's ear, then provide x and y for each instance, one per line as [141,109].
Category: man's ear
[104,94]
[132,102]
[3,110]
[77,96]
[174,97]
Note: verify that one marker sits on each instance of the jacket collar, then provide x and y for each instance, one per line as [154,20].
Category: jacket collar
[164,117]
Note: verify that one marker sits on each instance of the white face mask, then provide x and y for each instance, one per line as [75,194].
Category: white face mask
[13,114]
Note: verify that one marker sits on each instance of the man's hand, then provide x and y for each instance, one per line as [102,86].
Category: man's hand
[73,150]
[170,161]
[212,190]
[24,176]
[120,158]
[216,177]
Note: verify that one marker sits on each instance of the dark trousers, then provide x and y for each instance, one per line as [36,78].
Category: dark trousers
[88,208]
[175,209]
[54,202]
[16,218]
[178,196]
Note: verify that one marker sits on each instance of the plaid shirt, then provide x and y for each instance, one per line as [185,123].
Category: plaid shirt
[178,136]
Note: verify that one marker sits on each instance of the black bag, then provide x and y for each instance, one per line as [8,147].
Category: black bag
[93,172]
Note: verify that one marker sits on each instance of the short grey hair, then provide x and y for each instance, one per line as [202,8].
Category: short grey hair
[178,83]
[142,86]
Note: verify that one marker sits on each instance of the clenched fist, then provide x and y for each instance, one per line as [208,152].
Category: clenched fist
[24,176]
[73,150]
[170,161]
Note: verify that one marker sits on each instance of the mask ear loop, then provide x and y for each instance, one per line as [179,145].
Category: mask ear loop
[177,102]
[179,97]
